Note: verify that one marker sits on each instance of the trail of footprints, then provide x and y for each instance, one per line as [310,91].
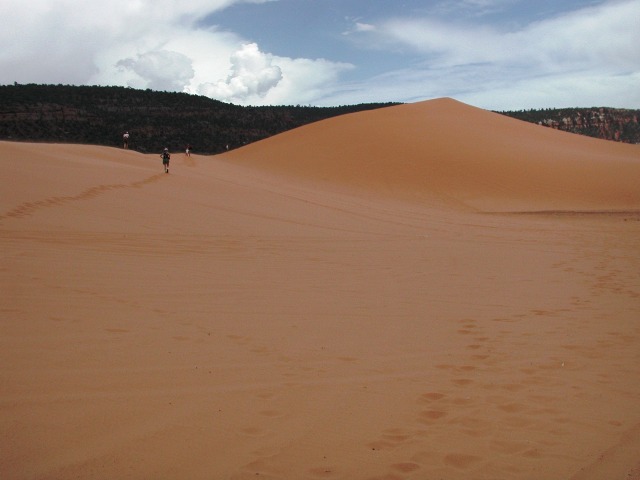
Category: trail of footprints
[480,401]
[437,413]
[452,415]
[28,208]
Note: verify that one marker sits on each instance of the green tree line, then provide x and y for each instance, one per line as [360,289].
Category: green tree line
[100,116]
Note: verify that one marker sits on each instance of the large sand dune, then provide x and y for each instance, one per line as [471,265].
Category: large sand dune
[423,291]
[444,149]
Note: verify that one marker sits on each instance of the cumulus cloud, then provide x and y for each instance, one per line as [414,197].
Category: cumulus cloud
[305,81]
[590,52]
[66,41]
[159,44]
[253,74]
[258,78]
[161,69]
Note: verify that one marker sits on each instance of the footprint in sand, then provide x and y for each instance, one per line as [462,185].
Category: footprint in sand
[431,396]
[392,439]
[405,467]
[117,330]
[462,382]
[348,359]
[479,357]
[428,416]
[461,460]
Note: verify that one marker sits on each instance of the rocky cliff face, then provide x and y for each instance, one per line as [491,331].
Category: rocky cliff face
[619,125]
[609,124]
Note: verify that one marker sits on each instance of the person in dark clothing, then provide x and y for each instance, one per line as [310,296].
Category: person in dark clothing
[166,156]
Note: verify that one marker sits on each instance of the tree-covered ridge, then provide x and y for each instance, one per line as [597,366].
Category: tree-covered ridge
[100,115]
[621,125]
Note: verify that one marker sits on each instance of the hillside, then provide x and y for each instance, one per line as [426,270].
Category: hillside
[100,115]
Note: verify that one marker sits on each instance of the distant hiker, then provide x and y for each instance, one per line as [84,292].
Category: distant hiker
[125,140]
[166,156]
[188,151]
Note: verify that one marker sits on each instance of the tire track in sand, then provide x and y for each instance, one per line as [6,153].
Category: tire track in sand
[29,208]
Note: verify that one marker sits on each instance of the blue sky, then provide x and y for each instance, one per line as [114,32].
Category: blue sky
[494,54]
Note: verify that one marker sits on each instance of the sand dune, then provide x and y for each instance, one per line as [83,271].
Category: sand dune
[461,154]
[349,300]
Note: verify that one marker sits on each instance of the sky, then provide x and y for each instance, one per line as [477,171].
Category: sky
[493,54]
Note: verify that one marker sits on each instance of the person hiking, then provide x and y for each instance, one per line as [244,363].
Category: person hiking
[125,140]
[166,156]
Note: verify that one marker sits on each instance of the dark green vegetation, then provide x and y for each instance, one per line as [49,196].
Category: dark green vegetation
[100,116]
[616,124]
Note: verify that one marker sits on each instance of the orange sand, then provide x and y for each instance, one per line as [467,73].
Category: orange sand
[419,292]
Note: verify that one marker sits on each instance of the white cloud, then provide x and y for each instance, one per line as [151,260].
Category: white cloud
[472,7]
[157,44]
[601,36]
[305,81]
[68,41]
[163,44]
[360,27]
[587,90]
[160,69]
[547,62]
[364,27]
[253,74]
[259,78]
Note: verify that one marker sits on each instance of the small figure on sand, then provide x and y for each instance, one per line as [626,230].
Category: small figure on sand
[166,156]
[187,151]
[125,140]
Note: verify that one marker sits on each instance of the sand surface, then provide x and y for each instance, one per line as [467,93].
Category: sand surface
[428,291]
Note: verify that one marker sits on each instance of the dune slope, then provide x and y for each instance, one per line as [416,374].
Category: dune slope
[318,306]
[446,150]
